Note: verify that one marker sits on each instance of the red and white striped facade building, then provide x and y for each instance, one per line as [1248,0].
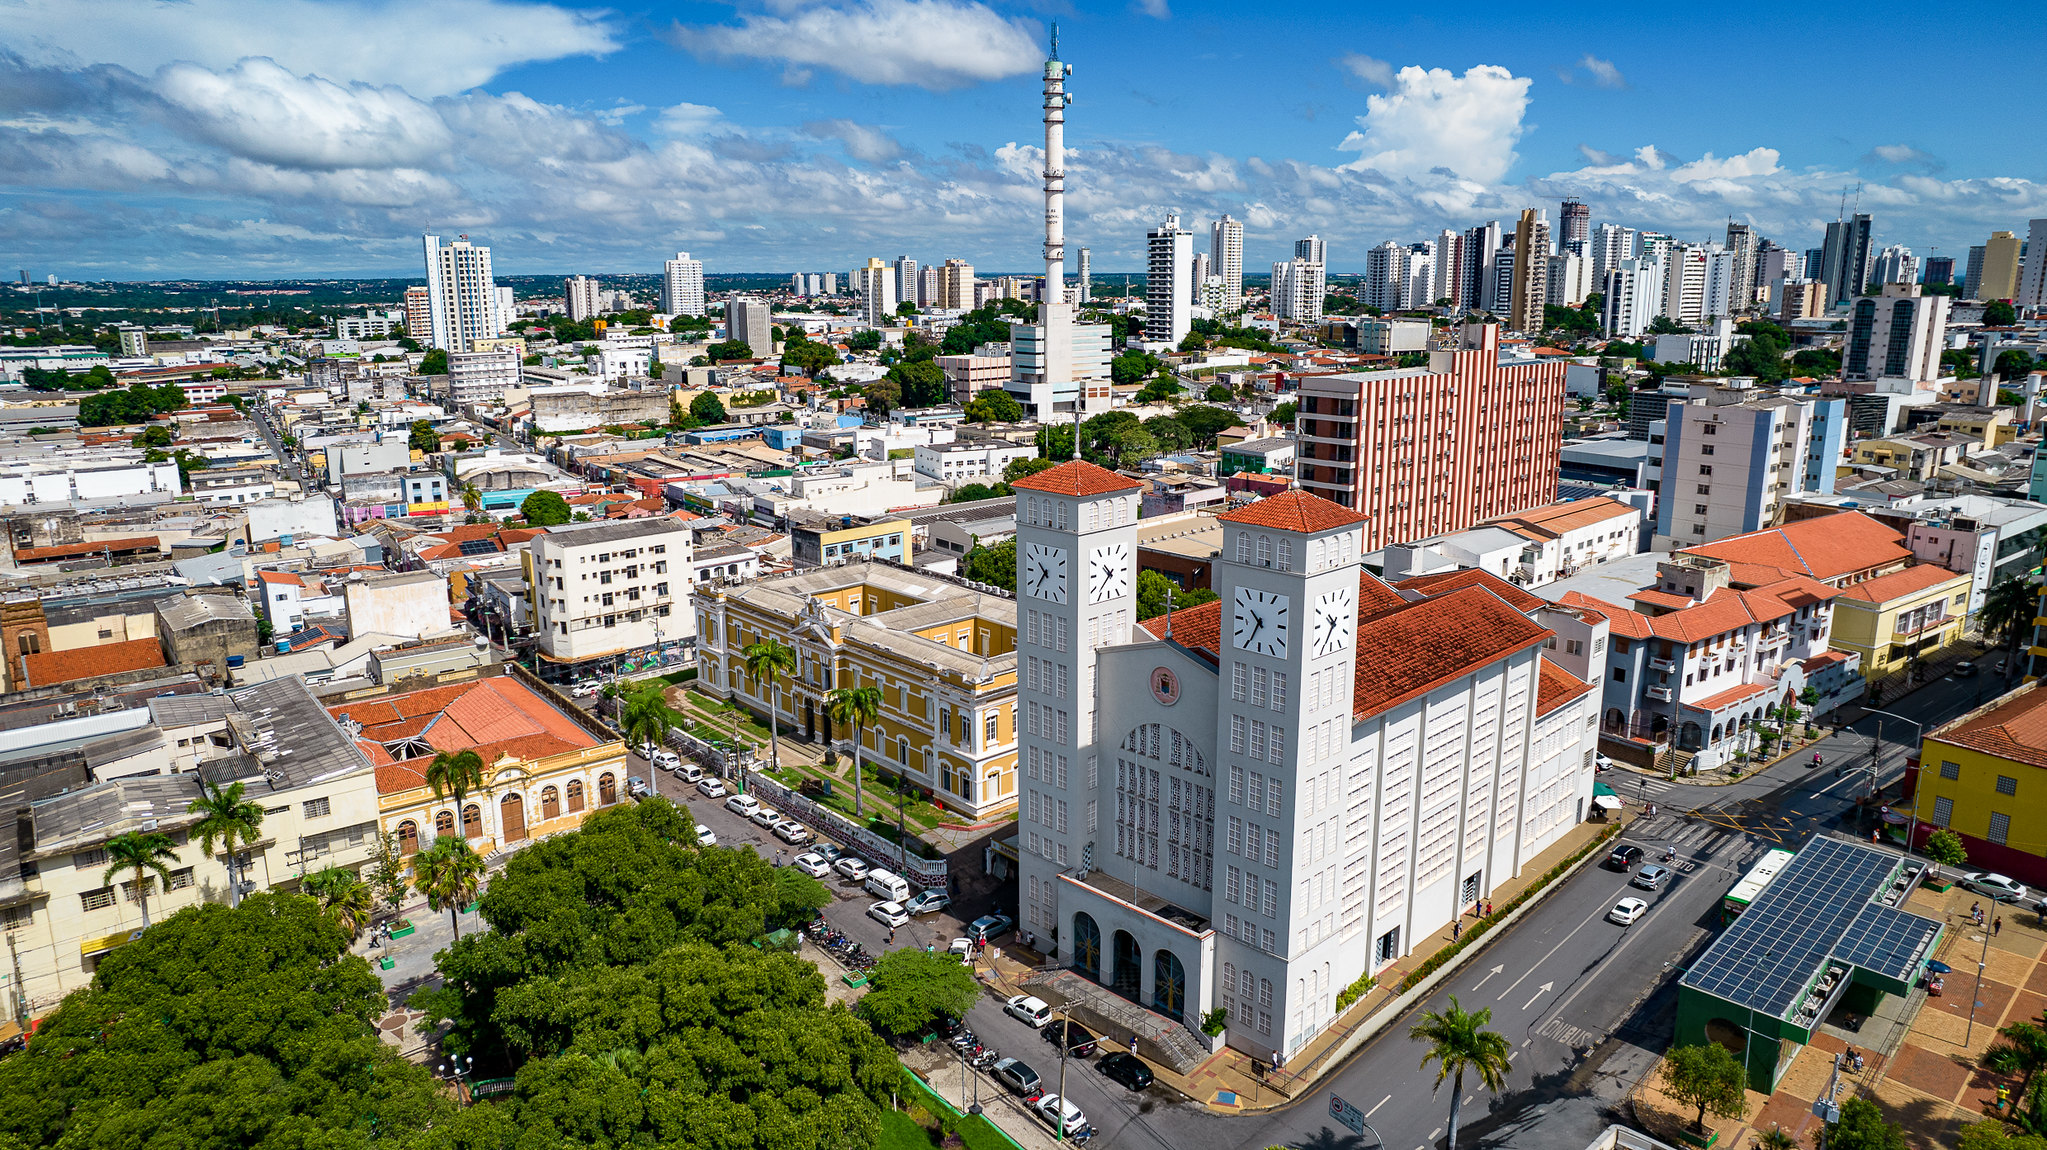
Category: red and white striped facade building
[1428,450]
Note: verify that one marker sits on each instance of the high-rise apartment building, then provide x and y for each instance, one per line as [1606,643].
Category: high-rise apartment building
[1684,285]
[906,280]
[1385,276]
[1168,282]
[1425,450]
[1654,246]
[1897,335]
[1197,293]
[1611,243]
[581,295]
[1496,290]
[1938,270]
[2000,268]
[462,298]
[1895,265]
[1719,296]
[1419,289]
[1481,244]
[1743,245]
[1450,267]
[1570,279]
[682,285]
[1226,259]
[748,319]
[1297,290]
[419,314]
[602,590]
[1574,224]
[1313,250]
[2032,291]
[1972,274]
[1799,298]
[1087,277]
[956,286]
[1729,463]
[929,287]
[1632,299]
[1531,272]
[1775,263]
[876,283]
[1846,257]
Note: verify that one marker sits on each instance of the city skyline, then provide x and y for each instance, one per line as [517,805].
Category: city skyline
[199,143]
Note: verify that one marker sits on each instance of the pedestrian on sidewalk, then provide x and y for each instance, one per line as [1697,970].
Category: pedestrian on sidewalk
[1489,908]
[891,936]
[1996,924]
[1457,929]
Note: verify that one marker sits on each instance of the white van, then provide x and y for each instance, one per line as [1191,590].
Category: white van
[887,885]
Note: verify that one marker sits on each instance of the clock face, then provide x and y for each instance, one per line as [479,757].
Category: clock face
[1261,622]
[1330,630]
[1044,572]
[1108,572]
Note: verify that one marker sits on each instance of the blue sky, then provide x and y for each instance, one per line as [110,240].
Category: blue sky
[142,139]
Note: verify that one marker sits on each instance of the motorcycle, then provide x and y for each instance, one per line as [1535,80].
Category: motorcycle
[986,1059]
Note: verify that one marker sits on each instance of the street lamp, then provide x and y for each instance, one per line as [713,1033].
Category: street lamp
[455,1067]
[1876,762]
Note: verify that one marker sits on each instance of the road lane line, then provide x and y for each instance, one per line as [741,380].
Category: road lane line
[1375,1109]
[1599,913]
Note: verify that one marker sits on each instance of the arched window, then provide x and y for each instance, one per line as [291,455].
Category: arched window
[444,823]
[472,821]
[31,643]
[408,837]
[1087,946]
[607,790]
[1168,984]
[550,803]
[512,817]
[575,795]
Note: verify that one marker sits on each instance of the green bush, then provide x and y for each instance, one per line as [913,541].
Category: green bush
[1479,929]
[1355,991]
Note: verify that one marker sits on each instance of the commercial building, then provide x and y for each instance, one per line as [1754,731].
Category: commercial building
[1226,259]
[1531,272]
[1319,805]
[1800,299]
[2000,275]
[1894,619]
[969,461]
[1898,335]
[748,320]
[829,540]
[609,590]
[1984,777]
[1168,282]
[1426,450]
[1729,463]
[481,376]
[1895,265]
[982,369]
[462,298]
[943,655]
[682,285]
[583,296]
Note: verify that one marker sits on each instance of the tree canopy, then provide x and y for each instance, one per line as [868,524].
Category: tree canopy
[729,349]
[1154,590]
[708,408]
[544,509]
[136,404]
[921,381]
[1023,468]
[1862,1127]
[1761,354]
[911,989]
[1998,313]
[983,325]
[994,406]
[435,362]
[1708,1078]
[995,565]
[422,437]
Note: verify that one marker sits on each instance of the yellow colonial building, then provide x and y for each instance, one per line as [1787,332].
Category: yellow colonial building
[942,654]
[1984,776]
[1893,619]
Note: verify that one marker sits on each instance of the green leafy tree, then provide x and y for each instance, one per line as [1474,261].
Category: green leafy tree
[854,710]
[1155,591]
[1133,367]
[1159,389]
[906,309]
[455,773]
[387,873]
[1706,1077]
[868,340]
[1207,422]
[140,854]
[910,989]
[434,362]
[1218,393]
[2009,609]
[2011,363]
[1284,414]
[2022,1053]
[1169,433]
[1117,439]
[544,509]
[649,718]
[347,900]
[1458,1041]
[1760,355]
[1862,1127]
[768,663]
[807,356]
[449,874]
[1818,361]
[1999,313]
[922,382]
[994,565]
[1945,848]
[423,438]
[154,436]
[971,492]
[1025,468]
[472,497]
[706,408]
[994,406]
[1991,1134]
[1775,1138]
[1664,325]
[230,820]
[728,350]
[883,396]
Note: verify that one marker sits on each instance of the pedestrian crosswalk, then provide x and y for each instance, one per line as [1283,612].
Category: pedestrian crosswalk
[1690,839]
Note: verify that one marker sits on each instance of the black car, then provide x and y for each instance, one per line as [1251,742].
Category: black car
[1127,1069]
[1079,1043]
[1624,857]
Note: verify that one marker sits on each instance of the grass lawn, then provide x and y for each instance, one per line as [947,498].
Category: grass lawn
[900,1132]
[918,814]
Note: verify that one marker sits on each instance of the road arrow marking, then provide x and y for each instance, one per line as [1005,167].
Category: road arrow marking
[1545,988]
[1489,974]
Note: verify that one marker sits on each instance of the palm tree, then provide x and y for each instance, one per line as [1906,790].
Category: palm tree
[448,873]
[649,718]
[139,853]
[455,774]
[855,708]
[229,819]
[2008,611]
[472,497]
[770,662]
[1775,1139]
[1458,1041]
[344,896]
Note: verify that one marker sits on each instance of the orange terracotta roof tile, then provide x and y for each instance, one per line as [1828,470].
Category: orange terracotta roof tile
[49,668]
[90,547]
[1665,599]
[2015,729]
[1557,518]
[1557,687]
[1826,548]
[1729,697]
[493,717]
[284,577]
[1075,477]
[1293,511]
[1623,622]
[1898,584]
[1433,585]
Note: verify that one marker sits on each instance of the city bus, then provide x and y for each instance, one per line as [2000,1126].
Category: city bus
[1753,882]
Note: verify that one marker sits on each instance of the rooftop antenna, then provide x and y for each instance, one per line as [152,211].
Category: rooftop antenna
[1076,426]
[1169,608]
[1055,40]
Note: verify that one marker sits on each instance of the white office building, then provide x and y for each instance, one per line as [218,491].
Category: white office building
[1898,335]
[1290,788]
[1895,265]
[2033,267]
[583,298]
[1385,283]
[1226,259]
[462,299]
[482,376]
[1418,289]
[1570,279]
[749,320]
[609,589]
[1684,284]
[1633,298]
[1169,282]
[682,285]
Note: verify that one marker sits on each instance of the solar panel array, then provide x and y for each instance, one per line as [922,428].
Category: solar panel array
[1818,908]
[479,547]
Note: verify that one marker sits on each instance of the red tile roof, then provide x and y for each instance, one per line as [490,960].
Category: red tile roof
[1433,585]
[50,668]
[90,547]
[1899,584]
[1729,697]
[2015,729]
[1826,548]
[1665,599]
[1075,477]
[496,718]
[1293,511]
[285,577]
[1557,687]
[1557,518]
[1403,651]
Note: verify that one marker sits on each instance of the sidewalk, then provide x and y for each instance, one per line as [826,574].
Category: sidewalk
[1224,1081]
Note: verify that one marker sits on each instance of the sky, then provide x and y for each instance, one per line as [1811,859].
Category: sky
[145,139]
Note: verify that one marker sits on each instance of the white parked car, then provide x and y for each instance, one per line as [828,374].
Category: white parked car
[852,867]
[710,788]
[1061,1114]
[665,760]
[812,865]
[1997,886]
[705,838]
[1030,1010]
[743,805]
[928,901]
[792,832]
[766,817]
[1626,911]
[888,914]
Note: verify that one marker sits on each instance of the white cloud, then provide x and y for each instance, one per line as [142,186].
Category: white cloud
[1370,69]
[259,110]
[1434,119]
[934,44]
[1156,9]
[429,49]
[867,144]
[1603,72]
[688,119]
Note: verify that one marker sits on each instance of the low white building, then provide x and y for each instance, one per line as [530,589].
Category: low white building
[972,461]
[98,477]
[479,376]
[412,605]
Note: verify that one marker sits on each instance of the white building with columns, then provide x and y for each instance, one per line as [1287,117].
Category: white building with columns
[1251,804]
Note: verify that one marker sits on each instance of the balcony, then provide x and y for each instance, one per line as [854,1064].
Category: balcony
[1659,663]
[1660,694]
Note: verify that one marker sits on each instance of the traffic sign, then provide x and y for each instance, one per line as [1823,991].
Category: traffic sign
[1347,1114]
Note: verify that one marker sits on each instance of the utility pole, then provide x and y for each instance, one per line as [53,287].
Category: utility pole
[1065,1041]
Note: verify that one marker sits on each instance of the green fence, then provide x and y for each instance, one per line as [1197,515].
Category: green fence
[974,1129]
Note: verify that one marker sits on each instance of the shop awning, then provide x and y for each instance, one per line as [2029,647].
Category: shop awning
[1609,801]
